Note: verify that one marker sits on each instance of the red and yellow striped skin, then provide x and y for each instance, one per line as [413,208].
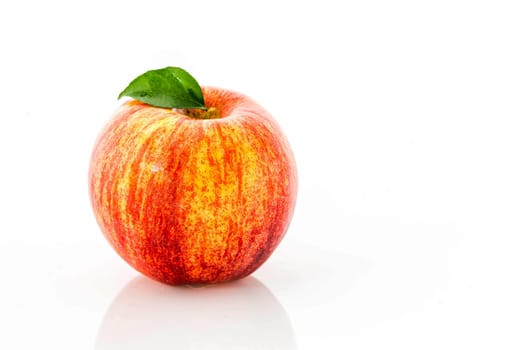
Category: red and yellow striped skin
[186,200]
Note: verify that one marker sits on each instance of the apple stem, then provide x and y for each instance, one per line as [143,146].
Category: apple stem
[197,113]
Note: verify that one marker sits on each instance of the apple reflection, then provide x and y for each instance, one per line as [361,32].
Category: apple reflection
[238,315]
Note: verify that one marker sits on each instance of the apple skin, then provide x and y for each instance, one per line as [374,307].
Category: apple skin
[186,200]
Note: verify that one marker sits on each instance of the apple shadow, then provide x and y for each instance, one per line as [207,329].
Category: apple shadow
[237,315]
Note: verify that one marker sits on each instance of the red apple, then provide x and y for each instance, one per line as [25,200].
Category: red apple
[184,199]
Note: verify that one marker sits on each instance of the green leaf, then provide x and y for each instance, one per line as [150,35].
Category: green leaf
[169,87]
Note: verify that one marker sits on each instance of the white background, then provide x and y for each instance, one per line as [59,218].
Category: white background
[408,121]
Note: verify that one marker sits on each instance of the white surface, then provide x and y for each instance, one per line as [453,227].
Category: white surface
[408,120]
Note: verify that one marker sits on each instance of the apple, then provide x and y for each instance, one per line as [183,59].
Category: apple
[193,195]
